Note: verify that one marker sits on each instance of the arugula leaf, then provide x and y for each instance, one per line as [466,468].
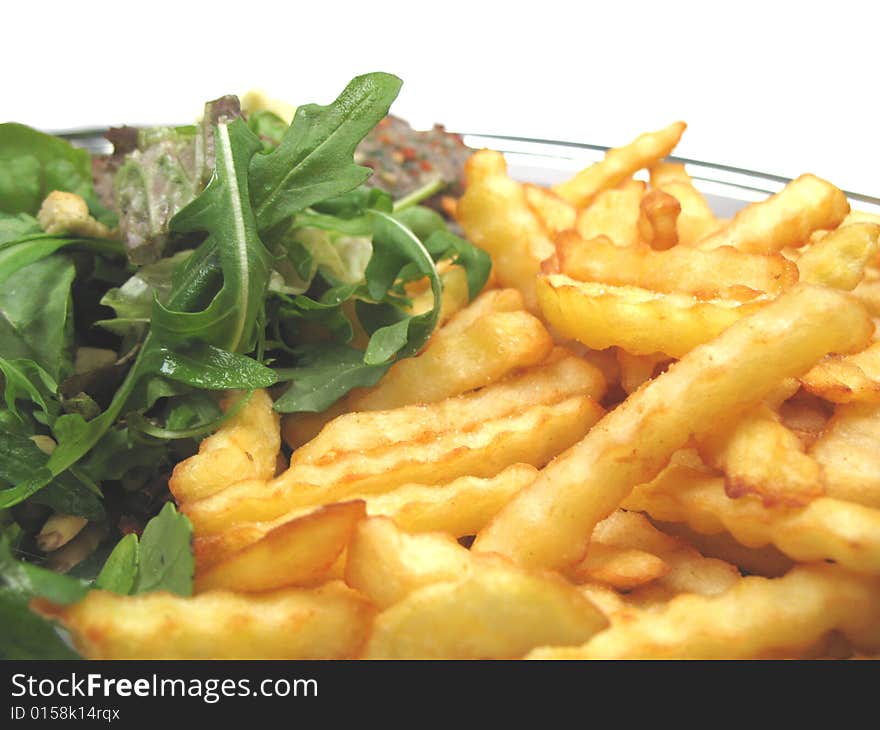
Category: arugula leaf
[28,636]
[210,368]
[422,221]
[120,571]
[223,211]
[133,301]
[475,261]
[395,246]
[25,380]
[166,559]
[20,458]
[36,327]
[314,160]
[324,373]
[33,164]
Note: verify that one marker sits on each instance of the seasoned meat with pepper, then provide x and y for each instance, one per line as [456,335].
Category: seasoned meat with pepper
[404,159]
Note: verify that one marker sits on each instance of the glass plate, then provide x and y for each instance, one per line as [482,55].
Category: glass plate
[727,189]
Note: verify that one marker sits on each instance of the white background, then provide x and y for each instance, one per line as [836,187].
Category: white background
[773,86]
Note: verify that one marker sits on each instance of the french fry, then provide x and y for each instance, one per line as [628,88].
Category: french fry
[851,379]
[330,622]
[868,291]
[244,447]
[555,213]
[495,215]
[494,300]
[658,219]
[455,295]
[614,214]
[386,564]
[767,561]
[461,507]
[719,273]
[637,320]
[848,452]
[563,375]
[622,568]
[619,164]
[825,529]
[496,610]
[298,553]
[840,258]
[696,219]
[757,618]
[549,523]
[787,218]
[686,570]
[484,353]
[533,436]
[759,455]
[493,320]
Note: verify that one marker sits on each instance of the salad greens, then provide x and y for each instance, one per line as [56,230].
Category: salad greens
[251,254]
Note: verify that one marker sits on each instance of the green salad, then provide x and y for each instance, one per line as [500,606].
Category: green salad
[238,253]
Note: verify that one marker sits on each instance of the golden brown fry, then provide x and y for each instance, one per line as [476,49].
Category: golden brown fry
[549,522]
[759,455]
[849,452]
[658,220]
[637,320]
[244,447]
[767,561]
[330,622]
[719,273]
[757,618]
[614,214]
[484,353]
[687,571]
[297,553]
[555,213]
[494,300]
[460,508]
[561,376]
[806,204]
[386,564]
[622,568]
[496,610]
[825,529]
[455,295]
[696,219]
[440,371]
[533,436]
[840,258]
[495,216]
[851,379]
[619,164]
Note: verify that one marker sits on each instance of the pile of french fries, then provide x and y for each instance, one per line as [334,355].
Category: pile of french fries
[655,434]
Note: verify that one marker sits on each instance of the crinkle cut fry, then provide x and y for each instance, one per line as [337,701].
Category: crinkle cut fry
[758,618]
[244,447]
[332,621]
[825,529]
[620,163]
[549,523]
